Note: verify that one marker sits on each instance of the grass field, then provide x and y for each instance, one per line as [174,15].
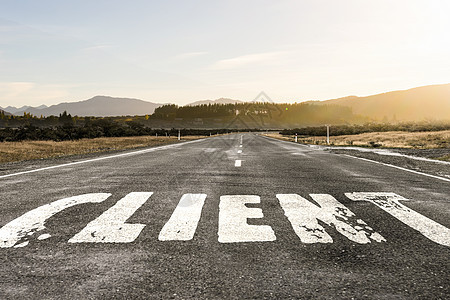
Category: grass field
[390,139]
[28,150]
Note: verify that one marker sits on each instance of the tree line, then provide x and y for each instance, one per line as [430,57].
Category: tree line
[96,128]
[281,113]
[308,118]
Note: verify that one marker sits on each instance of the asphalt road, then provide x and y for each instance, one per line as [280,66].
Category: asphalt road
[275,223]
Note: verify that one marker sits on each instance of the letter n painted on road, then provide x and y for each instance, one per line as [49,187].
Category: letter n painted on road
[233,227]
[303,216]
[389,202]
[34,220]
[110,227]
[184,220]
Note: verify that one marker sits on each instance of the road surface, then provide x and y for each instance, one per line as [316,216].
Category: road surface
[240,216]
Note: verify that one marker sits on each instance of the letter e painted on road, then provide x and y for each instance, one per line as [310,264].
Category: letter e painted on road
[233,227]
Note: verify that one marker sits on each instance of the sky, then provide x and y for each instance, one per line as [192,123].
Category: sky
[184,51]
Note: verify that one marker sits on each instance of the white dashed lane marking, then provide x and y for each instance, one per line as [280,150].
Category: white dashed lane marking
[238,163]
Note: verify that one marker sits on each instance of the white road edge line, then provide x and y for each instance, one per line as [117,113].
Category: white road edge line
[397,167]
[237,163]
[101,158]
[377,162]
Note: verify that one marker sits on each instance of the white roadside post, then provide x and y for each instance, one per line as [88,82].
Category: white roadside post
[328,134]
[296,137]
[179,137]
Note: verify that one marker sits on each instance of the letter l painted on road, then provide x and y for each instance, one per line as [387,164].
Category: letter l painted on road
[110,227]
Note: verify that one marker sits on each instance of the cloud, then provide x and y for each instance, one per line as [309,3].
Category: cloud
[190,55]
[30,93]
[14,89]
[98,47]
[8,28]
[249,59]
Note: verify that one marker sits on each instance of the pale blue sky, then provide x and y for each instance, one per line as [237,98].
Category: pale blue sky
[183,51]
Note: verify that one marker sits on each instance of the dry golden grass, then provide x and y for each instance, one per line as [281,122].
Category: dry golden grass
[390,139]
[27,150]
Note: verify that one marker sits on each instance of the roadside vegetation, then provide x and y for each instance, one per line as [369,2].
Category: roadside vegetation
[28,150]
[338,130]
[68,128]
[389,139]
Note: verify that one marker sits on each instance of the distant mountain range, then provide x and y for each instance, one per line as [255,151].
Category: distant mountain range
[422,103]
[5,112]
[430,102]
[102,106]
[99,106]
[19,110]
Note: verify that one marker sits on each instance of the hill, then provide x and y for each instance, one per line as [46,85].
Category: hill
[17,110]
[5,112]
[98,106]
[218,101]
[417,104]
[427,103]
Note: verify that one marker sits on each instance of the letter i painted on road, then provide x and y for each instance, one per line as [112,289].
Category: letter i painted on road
[110,227]
[304,216]
[184,220]
[233,227]
[389,202]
